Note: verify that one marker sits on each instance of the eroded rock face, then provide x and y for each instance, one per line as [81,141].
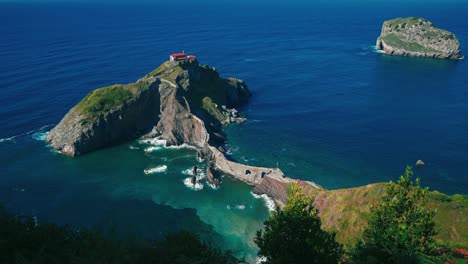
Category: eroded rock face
[79,132]
[163,103]
[417,37]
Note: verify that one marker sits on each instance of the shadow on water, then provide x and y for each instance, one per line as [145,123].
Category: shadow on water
[131,219]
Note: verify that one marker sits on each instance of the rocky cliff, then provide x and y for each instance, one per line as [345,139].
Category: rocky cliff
[414,36]
[107,116]
[179,102]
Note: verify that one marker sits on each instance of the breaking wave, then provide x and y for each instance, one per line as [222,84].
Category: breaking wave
[157,169]
[33,132]
[161,143]
[196,187]
[152,149]
[268,201]
[40,136]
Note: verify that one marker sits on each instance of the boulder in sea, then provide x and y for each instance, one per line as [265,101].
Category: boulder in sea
[414,36]
[420,163]
[212,176]
[222,149]
[194,180]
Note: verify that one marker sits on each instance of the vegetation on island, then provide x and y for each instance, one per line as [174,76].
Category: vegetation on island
[414,36]
[396,42]
[401,227]
[22,240]
[105,99]
[405,22]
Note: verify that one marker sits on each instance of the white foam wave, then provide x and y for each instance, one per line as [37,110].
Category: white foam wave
[40,136]
[188,182]
[152,149]
[188,171]
[183,146]
[214,187]
[268,201]
[374,49]
[200,175]
[157,169]
[133,147]
[8,139]
[261,260]
[240,207]
[12,138]
[163,143]
[153,141]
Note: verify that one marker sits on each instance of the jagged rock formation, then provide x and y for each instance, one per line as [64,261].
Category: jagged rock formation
[179,102]
[414,36]
[107,116]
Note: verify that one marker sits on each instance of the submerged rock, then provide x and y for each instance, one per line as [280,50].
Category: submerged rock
[414,36]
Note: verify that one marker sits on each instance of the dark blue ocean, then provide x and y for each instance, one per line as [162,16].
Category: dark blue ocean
[325,108]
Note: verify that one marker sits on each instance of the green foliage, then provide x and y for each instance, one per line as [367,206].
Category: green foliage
[24,241]
[213,110]
[408,21]
[102,100]
[400,228]
[294,234]
[395,42]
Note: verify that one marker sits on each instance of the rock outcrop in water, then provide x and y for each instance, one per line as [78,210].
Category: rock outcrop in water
[107,116]
[414,36]
[179,102]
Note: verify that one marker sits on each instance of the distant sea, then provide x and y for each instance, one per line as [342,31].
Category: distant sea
[326,107]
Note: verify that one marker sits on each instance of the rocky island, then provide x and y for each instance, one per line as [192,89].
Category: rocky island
[180,102]
[418,37]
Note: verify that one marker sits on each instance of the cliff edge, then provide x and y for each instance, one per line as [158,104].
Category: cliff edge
[418,37]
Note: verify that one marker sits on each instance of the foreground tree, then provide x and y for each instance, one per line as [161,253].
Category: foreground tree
[294,234]
[22,240]
[401,228]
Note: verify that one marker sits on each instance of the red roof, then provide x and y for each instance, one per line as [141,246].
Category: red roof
[176,55]
[191,56]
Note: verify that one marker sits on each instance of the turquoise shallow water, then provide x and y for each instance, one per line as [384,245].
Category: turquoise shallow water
[138,189]
[325,107]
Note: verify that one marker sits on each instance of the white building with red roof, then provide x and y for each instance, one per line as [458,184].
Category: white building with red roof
[181,57]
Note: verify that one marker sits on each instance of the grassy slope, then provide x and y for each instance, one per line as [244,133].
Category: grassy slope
[105,99]
[396,42]
[407,21]
[346,211]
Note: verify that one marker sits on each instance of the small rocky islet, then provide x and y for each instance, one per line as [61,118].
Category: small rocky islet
[418,37]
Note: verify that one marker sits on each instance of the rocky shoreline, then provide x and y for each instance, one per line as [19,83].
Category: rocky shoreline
[179,102]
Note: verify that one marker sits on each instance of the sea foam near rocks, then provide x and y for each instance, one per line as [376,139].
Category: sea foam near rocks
[40,136]
[196,187]
[268,201]
[157,169]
